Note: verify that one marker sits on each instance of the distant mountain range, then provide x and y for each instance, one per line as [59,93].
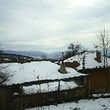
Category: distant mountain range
[35,53]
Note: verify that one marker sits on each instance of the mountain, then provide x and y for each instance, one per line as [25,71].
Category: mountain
[35,53]
[55,54]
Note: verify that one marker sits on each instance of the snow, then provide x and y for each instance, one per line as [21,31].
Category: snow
[48,87]
[85,104]
[34,71]
[99,95]
[90,61]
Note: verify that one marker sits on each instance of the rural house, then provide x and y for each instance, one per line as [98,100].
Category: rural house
[92,63]
[39,83]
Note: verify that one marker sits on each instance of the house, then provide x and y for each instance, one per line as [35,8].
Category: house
[92,63]
[38,83]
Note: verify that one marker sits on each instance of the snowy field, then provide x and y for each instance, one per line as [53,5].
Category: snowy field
[92,104]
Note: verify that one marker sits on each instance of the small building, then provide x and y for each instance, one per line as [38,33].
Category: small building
[39,83]
[98,80]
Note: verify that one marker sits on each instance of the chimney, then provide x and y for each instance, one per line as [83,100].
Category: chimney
[98,56]
[62,66]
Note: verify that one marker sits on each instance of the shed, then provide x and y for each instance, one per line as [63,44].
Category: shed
[93,64]
[30,80]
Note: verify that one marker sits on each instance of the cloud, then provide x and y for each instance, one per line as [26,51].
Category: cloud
[51,25]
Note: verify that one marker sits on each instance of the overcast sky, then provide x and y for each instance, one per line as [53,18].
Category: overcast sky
[50,25]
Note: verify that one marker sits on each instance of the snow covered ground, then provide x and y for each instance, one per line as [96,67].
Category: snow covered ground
[90,61]
[48,87]
[92,104]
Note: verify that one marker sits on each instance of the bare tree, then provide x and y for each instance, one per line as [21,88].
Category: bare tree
[103,44]
[73,49]
[1,51]
[3,76]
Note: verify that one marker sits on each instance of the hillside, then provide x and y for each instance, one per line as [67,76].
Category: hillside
[38,54]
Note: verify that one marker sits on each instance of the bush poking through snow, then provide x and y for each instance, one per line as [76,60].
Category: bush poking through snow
[3,76]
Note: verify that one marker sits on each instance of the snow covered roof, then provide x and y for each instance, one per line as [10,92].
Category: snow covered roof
[90,61]
[35,71]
